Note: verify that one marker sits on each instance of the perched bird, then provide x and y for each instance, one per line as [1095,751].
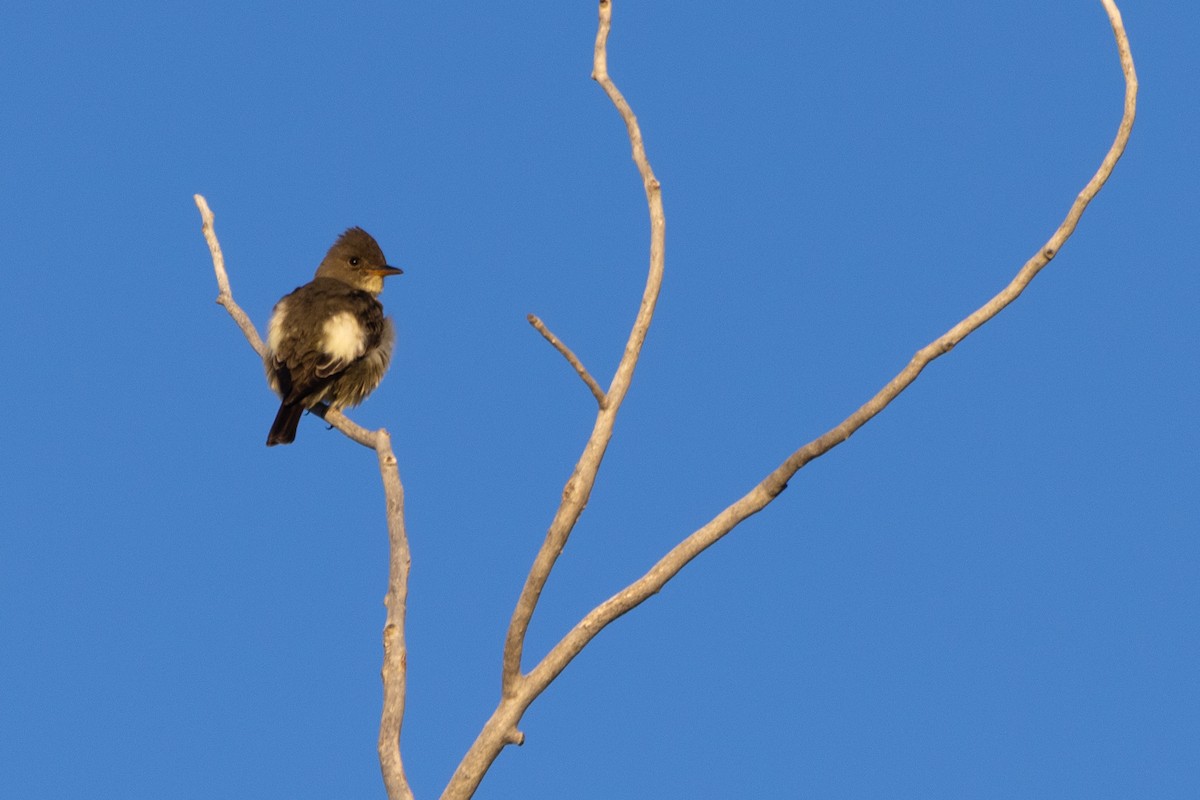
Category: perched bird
[328,341]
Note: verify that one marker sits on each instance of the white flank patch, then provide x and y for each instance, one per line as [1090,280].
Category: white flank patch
[345,339]
[275,327]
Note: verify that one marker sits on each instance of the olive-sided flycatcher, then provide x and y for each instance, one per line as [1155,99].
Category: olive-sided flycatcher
[328,341]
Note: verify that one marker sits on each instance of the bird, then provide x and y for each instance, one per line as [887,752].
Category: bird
[329,341]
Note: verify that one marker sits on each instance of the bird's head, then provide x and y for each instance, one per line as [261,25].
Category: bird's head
[356,259]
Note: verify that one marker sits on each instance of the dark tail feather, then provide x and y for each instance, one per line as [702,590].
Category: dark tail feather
[283,429]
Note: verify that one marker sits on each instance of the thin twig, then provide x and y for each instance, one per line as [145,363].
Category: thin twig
[571,358]
[224,293]
[394,672]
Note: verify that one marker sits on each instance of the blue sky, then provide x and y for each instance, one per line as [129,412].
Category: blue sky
[989,592]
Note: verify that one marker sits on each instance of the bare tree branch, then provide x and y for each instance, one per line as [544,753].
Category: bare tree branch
[583,478]
[516,691]
[519,690]
[224,293]
[571,358]
[348,427]
[395,653]
[770,487]
[394,672]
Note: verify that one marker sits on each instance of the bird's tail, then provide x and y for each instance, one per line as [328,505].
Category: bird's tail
[283,429]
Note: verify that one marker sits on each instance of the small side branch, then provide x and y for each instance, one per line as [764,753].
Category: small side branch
[571,358]
[395,654]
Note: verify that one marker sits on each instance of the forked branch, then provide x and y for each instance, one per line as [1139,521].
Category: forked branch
[774,483]
[519,690]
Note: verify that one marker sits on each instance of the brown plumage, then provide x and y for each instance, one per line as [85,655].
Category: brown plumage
[329,341]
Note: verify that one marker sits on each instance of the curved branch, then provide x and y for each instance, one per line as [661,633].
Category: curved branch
[774,483]
[516,695]
[583,478]
[394,672]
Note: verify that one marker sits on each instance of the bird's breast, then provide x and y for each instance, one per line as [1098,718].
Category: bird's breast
[343,337]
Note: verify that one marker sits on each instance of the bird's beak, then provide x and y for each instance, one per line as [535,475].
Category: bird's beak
[384,271]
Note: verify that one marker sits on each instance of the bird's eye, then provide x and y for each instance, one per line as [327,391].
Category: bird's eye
[354,261]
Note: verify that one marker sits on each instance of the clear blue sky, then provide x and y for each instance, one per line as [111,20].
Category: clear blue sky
[991,591]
